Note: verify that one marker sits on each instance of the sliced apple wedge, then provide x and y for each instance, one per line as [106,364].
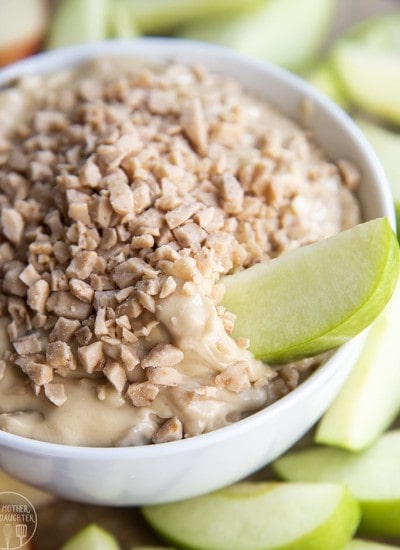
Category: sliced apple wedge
[22,28]
[163,16]
[370,399]
[370,76]
[260,516]
[78,22]
[372,476]
[121,23]
[316,297]
[92,537]
[387,146]
[324,78]
[381,31]
[259,33]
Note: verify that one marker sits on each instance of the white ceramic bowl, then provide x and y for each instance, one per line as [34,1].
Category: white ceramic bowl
[182,469]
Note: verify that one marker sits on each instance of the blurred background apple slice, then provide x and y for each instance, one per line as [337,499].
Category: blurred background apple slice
[370,399]
[92,537]
[284,32]
[78,22]
[164,16]
[22,28]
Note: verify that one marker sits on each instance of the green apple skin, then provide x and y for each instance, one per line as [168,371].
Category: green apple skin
[317,297]
[370,77]
[163,16]
[260,516]
[259,33]
[370,399]
[92,537]
[359,544]
[121,24]
[372,476]
[323,78]
[387,147]
[78,22]
[381,32]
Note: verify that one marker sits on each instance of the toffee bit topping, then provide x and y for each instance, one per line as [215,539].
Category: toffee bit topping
[163,355]
[55,393]
[171,430]
[142,394]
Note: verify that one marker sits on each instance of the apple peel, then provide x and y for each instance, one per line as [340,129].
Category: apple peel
[371,476]
[317,297]
[261,516]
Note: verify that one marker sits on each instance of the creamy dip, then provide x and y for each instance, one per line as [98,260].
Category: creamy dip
[126,193]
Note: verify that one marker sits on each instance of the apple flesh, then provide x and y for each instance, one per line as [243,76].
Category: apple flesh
[381,31]
[92,537]
[259,32]
[372,477]
[163,16]
[370,77]
[78,22]
[370,399]
[260,516]
[121,23]
[323,78]
[387,146]
[367,61]
[22,27]
[316,297]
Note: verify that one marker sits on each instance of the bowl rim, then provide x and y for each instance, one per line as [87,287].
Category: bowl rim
[73,55]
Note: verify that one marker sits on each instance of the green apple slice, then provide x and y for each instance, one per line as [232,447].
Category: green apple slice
[359,544]
[78,22]
[381,31]
[260,516]
[372,476]
[259,33]
[324,78]
[387,146]
[370,76]
[121,24]
[316,297]
[370,399]
[92,537]
[162,16]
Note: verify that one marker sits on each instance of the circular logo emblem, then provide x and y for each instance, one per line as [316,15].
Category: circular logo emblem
[18,521]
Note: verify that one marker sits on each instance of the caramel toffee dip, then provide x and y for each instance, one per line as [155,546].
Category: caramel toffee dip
[127,192]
